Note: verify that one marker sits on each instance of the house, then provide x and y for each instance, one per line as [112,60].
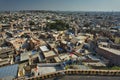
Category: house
[113,55]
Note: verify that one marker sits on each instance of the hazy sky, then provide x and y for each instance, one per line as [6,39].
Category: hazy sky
[69,5]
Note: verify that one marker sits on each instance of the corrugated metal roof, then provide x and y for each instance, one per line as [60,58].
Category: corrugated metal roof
[11,70]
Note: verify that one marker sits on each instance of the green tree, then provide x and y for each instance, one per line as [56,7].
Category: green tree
[31,23]
[58,25]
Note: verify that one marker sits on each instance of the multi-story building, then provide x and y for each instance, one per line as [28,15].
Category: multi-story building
[111,54]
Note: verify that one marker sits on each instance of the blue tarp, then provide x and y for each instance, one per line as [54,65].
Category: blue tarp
[25,45]
[33,52]
[17,58]
[60,49]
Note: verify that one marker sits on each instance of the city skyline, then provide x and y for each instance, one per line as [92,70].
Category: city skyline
[61,5]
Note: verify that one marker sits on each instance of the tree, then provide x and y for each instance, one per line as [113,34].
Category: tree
[31,23]
[58,25]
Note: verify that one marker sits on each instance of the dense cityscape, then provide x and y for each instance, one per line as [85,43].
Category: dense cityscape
[35,43]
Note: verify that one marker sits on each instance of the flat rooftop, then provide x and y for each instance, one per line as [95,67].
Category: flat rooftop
[25,56]
[17,42]
[49,54]
[47,68]
[67,56]
[114,51]
[81,37]
[44,48]
[8,71]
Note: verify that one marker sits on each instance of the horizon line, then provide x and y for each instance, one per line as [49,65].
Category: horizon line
[57,10]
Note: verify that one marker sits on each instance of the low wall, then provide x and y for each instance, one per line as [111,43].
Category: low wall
[76,72]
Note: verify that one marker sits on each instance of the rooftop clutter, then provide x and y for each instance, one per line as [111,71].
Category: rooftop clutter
[47,42]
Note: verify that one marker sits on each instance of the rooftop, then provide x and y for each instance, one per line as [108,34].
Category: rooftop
[116,27]
[49,54]
[25,56]
[67,56]
[47,68]
[9,71]
[117,52]
[17,42]
[44,48]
